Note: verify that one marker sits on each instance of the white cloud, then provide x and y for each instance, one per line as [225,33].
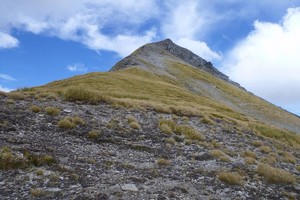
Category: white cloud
[6,77]
[199,48]
[7,41]
[267,61]
[4,89]
[78,67]
[85,21]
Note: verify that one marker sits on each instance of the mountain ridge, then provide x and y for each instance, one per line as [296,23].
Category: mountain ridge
[179,52]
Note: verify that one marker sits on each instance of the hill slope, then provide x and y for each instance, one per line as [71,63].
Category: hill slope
[162,124]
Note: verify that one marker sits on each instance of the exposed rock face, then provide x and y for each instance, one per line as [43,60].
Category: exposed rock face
[152,54]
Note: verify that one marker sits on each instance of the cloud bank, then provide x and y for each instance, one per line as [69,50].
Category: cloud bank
[267,61]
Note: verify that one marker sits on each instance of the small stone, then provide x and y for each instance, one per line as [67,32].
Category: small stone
[2,183]
[53,189]
[129,187]
[67,110]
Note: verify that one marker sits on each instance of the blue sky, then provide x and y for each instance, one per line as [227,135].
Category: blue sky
[255,42]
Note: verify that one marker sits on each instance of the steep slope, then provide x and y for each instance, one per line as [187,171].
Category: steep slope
[163,124]
[165,75]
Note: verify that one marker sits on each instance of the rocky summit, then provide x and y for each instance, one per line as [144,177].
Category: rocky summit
[162,124]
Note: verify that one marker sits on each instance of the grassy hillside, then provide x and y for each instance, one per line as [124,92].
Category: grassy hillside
[186,92]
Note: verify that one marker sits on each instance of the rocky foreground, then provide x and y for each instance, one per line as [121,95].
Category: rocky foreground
[106,152]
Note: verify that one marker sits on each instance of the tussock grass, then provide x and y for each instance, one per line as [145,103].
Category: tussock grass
[289,158]
[134,125]
[93,134]
[249,160]
[275,175]
[220,155]
[265,149]
[163,162]
[70,122]
[257,143]
[189,132]
[35,109]
[250,154]
[232,178]
[81,93]
[10,160]
[52,111]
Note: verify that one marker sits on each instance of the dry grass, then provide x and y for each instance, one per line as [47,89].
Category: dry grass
[257,143]
[70,122]
[271,160]
[289,158]
[134,125]
[220,155]
[35,109]
[275,175]
[250,154]
[93,134]
[249,160]
[37,192]
[165,128]
[163,162]
[16,95]
[232,178]
[170,140]
[265,149]
[207,120]
[52,111]
[189,132]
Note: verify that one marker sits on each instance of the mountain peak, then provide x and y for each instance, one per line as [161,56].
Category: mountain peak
[155,54]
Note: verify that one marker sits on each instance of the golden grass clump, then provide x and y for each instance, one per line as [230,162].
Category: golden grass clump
[16,95]
[232,178]
[220,155]
[93,134]
[275,175]
[189,132]
[35,109]
[52,110]
[163,162]
[265,149]
[207,120]
[134,125]
[250,154]
[37,192]
[9,160]
[84,94]
[289,158]
[70,122]
[257,143]
[249,160]
[271,160]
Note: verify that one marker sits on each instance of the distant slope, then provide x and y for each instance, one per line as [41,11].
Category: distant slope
[155,76]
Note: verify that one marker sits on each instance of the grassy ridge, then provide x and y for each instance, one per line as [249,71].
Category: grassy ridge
[135,87]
